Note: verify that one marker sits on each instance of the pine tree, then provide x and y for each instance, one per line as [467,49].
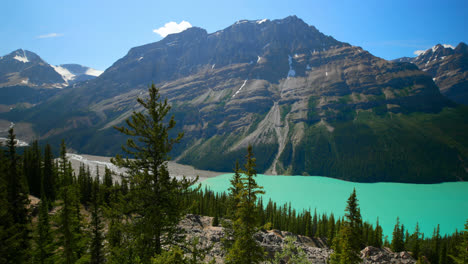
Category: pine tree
[378,234]
[107,184]
[245,248]
[156,199]
[17,205]
[8,236]
[291,253]
[32,168]
[347,244]
[97,254]
[462,257]
[49,177]
[397,239]
[234,191]
[44,241]
[72,239]
[415,243]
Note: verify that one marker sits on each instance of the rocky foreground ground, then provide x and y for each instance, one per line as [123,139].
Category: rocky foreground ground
[273,241]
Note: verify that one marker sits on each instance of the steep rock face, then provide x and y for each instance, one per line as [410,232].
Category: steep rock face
[449,68]
[282,86]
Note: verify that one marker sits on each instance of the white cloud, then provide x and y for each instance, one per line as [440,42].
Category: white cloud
[418,52]
[50,35]
[172,27]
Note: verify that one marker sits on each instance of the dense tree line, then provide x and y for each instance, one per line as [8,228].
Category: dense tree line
[133,218]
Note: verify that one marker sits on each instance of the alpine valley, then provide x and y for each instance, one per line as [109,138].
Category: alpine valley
[308,103]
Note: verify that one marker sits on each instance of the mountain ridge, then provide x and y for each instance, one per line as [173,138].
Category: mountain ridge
[282,86]
[448,66]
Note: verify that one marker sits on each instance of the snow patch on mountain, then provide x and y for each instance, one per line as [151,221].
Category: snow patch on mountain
[239,89]
[94,72]
[66,74]
[23,58]
[262,21]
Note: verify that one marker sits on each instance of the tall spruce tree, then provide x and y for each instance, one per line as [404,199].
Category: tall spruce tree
[155,198]
[462,256]
[245,248]
[71,236]
[32,168]
[44,241]
[397,238]
[17,205]
[49,177]
[8,236]
[97,253]
[347,244]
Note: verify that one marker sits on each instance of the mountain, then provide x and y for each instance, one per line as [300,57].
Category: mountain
[26,79]
[73,73]
[448,66]
[25,68]
[309,104]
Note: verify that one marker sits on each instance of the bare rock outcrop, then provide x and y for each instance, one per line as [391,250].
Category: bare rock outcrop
[273,241]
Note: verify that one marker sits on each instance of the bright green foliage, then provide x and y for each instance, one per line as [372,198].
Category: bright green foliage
[347,244]
[155,199]
[291,254]
[245,248]
[173,256]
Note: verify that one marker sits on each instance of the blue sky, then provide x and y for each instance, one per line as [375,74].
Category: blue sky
[96,33]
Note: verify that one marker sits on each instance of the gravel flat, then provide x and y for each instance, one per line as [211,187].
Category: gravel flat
[175,169]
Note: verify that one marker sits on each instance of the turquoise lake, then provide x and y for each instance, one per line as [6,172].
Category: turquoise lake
[428,204]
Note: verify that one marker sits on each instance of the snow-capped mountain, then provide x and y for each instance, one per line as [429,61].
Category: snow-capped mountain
[448,67]
[27,80]
[308,103]
[73,73]
[25,68]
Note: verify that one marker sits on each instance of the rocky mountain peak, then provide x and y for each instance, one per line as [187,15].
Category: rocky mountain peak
[24,56]
[461,48]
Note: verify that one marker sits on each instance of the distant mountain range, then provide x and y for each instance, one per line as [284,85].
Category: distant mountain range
[25,78]
[449,68]
[308,103]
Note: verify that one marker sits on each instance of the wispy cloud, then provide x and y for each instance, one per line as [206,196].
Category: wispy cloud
[172,27]
[50,35]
